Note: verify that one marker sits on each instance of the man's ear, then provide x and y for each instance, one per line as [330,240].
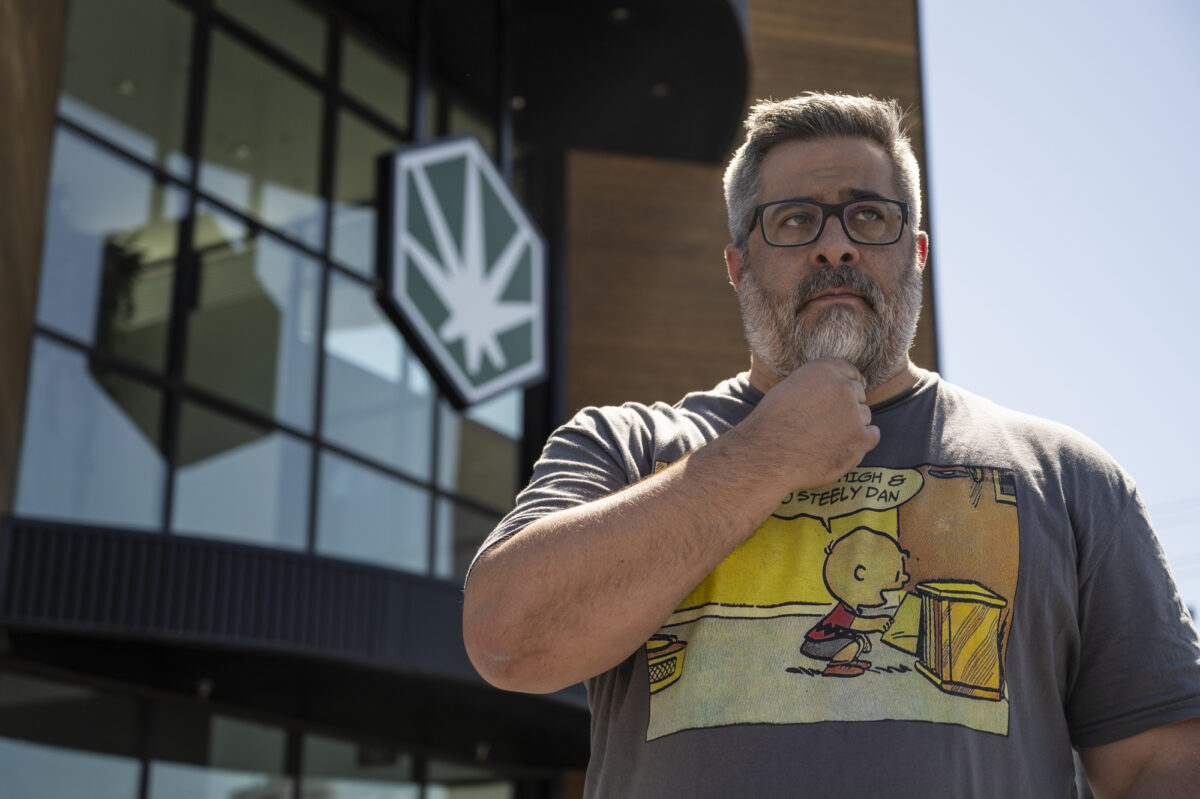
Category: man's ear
[734,264]
[923,247]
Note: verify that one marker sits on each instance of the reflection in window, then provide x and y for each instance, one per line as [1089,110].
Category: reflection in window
[376,80]
[252,330]
[262,141]
[463,120]
[460,531]
[236,480]
[286,24]
[197,756]
[379,400]
[63,740]
[358,148]
[335,769]
[369,516]
[457,781]
[125,76]
[108,263]
[479,450]
[91,443]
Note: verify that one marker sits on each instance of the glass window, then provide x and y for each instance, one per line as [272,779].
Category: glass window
[460,531]
[376,80]
[335,769]
[479,450]
[236,480]
[262,137]
[291,27]
[108,262]
[367,515]
[202,757]
[125,76]
[465,120]
[359,146]
[379,400]
[64,740]
[91,449]
[252,330]
[457,781]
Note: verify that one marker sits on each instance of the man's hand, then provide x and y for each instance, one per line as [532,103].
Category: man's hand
[815,423]
[576,592]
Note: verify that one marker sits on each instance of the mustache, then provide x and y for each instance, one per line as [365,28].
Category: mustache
[843,277]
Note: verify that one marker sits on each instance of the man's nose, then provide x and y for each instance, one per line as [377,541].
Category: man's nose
[833,247]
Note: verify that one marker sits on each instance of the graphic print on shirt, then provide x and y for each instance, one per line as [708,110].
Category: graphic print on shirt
[886,595]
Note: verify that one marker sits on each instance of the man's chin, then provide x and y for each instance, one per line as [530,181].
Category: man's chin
[841,338]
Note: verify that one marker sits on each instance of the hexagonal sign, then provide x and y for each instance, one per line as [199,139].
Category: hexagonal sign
[463,269]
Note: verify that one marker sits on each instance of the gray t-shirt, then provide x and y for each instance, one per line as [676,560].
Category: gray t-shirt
[948,619]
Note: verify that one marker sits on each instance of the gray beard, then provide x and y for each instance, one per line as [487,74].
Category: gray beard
[875,340]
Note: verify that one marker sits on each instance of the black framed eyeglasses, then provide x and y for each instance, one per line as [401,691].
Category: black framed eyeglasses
[794,223]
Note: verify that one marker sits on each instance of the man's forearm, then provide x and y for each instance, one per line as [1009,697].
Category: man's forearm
[576,592]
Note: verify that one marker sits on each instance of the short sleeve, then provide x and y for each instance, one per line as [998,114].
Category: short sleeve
[1139,664]
[599,452]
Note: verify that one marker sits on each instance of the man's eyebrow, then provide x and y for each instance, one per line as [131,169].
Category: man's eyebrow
[864,194]
[852,194]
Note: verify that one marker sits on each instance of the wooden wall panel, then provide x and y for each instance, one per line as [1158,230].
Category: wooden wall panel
[652,315]
[31,42]
[650,312]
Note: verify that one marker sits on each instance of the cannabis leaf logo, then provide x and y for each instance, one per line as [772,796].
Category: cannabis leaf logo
[473,289]
[466,269]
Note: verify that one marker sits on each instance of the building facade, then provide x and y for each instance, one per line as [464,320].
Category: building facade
[237,507]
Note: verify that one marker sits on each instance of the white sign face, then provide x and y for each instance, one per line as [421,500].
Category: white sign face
[466,269]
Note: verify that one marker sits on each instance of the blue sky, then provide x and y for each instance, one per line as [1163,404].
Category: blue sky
[1065,199]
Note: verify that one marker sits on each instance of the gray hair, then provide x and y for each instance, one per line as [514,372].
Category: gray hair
[818,116]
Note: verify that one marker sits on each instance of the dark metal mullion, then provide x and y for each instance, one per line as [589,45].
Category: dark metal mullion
[419,90]
[183,295]
[232,409]
[333,68]
[504,90]
[265,48]
[145,734]
[376,119]
[142,374]
[421,771]
[293,759]
[161,175]
[256,227]
[418,93]
[435,461]
[109,360]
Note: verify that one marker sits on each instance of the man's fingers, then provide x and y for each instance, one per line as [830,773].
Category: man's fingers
[847,369]
[873,435]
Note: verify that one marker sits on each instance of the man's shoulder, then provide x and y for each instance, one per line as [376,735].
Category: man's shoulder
[720,406]
[960,410]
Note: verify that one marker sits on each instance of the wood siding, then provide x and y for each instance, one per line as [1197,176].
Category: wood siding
[31,44]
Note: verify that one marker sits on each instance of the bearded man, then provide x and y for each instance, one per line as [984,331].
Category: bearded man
[681,559]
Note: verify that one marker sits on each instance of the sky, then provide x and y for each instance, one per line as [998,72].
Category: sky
[1064,193]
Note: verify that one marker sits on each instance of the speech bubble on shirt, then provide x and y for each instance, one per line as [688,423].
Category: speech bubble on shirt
[863,488]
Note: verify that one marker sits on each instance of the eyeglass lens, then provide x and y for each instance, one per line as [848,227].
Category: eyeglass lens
[868,222]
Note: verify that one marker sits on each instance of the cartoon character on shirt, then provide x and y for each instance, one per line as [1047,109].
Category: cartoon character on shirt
[859,567]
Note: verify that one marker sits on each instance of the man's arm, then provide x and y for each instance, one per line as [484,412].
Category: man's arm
[576,592]
[1161,763]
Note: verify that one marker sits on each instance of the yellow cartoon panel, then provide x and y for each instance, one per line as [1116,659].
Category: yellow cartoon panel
[887,595]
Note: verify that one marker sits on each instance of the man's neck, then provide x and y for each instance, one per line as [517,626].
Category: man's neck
[905,377]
